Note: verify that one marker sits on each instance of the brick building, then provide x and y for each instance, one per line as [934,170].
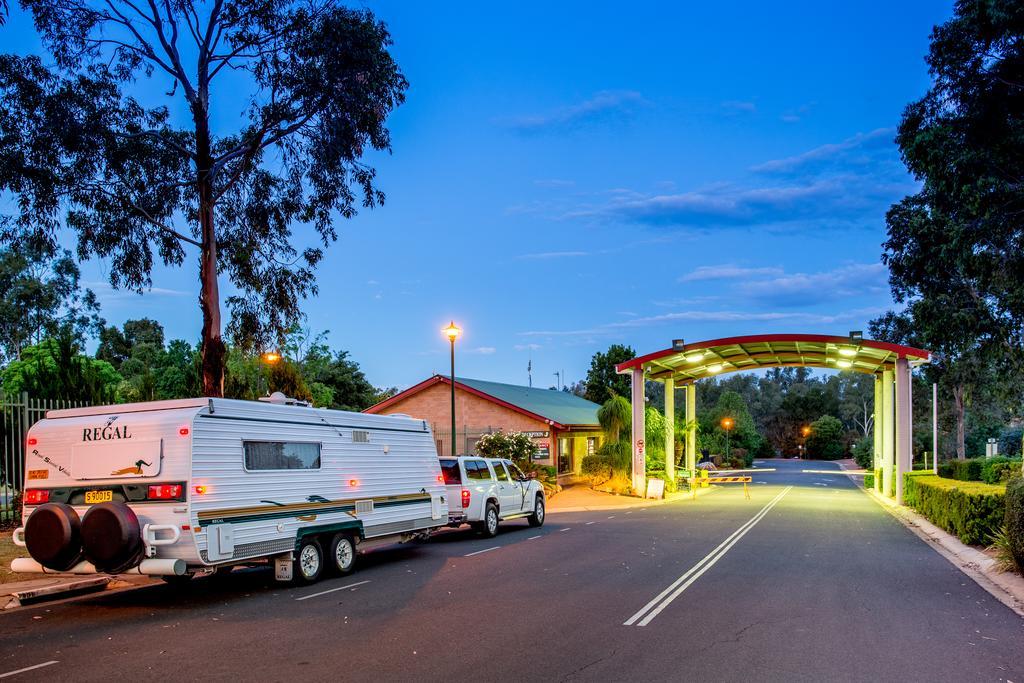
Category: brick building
[563,425]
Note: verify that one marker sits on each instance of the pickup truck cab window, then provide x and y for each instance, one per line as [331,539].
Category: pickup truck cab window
[499,470]
[515,471]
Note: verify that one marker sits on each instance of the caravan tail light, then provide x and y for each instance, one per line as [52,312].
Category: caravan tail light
[32,441]
[200,490]
[465,498]
[36,496]
[183,431]
[164,491]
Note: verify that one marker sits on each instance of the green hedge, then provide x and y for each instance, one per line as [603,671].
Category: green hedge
[869,481]
[989,470]
[1014,519]
[971,510]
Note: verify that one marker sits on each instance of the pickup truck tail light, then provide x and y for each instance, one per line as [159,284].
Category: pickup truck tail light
[36,496]
[465,498]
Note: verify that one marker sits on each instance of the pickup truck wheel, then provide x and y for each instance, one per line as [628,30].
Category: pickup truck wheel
[343,554]
[537,518]
[309,562]
[490,525]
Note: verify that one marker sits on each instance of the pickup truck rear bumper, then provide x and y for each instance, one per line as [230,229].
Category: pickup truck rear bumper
[456,518]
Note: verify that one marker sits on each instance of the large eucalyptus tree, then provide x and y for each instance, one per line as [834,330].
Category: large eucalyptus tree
[234,130]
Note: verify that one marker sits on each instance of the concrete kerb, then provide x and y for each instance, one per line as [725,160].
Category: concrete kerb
[1006,587]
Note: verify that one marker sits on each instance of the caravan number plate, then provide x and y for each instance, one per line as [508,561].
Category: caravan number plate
[98,497]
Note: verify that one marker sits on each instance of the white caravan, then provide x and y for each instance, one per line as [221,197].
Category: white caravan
[175,488]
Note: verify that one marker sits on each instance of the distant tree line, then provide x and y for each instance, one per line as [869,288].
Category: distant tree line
[47,318]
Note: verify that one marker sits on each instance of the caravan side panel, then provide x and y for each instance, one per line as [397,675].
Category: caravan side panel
[379,474]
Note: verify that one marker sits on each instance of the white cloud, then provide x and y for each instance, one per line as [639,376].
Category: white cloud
[543,255]
[526,347]
[603,105]
[878,138]
[482,350]
[727,272]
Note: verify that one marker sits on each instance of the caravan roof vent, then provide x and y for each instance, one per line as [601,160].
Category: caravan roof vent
[279,399]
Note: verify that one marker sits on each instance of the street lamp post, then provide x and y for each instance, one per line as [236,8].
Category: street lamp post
[452,332]
[727,425]
[806,431]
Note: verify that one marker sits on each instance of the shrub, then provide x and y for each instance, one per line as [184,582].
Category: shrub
[599,468]
[961,470]
[515,446]
[869,481]
[1002,546]
[826,439]
[1013,519]
[670,484]
[973,511]
[864,452]
[995,470]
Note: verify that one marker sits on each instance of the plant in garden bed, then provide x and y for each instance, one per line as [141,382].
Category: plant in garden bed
[971,510]
[1000,544]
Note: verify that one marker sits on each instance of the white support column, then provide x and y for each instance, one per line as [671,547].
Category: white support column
[888,434]
[670,429]
[876,462]
[904,436]
[691,433]
[638,430]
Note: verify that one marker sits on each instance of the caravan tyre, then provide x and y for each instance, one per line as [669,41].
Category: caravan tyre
[112,537]
[309,561]
[53,535]
[343,553]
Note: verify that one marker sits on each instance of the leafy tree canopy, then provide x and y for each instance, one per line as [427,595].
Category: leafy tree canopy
[602,382]
[826,438]
[56,369]
[40,297]
[82,147]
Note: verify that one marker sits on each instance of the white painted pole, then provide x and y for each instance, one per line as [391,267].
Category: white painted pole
[691,433]
[879,426]
[903,412]
[888,433]
[638,430]
[935,428]
[670,429]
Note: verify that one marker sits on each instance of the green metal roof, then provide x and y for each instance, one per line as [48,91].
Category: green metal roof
[558,406]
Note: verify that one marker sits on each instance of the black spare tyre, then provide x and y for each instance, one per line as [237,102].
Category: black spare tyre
[53,536]
[112,538]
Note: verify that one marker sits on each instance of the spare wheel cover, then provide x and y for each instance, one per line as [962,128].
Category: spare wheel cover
[112,537]
[53,536]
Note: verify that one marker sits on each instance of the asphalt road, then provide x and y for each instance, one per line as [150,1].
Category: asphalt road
[809,580]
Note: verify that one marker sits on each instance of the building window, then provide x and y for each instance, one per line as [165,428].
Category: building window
[591,445]
[565,462]
[281,455]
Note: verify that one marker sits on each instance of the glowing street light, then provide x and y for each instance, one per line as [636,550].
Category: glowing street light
[727,424]
[805,431]
[452,332]
[268,358]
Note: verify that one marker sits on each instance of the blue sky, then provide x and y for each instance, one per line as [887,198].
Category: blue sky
[570,175]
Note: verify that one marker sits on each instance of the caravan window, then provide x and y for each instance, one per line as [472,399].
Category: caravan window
[281,455]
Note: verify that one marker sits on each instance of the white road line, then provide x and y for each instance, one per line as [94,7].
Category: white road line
[532,537]
[341,588]
[589,523]
[611,516]
[630,512]
[664,598]
[485,550]
[28,668]
[565,529]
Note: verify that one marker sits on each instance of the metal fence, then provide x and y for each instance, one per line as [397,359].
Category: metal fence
[465,439]
[18,413]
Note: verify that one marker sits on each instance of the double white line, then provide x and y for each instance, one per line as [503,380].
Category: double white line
[665,597]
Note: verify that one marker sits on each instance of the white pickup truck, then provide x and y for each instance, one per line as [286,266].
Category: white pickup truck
[483,491]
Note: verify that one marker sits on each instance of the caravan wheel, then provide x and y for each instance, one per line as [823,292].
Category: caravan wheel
[343,553]
[309,561]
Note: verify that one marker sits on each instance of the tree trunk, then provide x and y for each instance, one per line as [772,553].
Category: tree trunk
[958,409]
[213,348]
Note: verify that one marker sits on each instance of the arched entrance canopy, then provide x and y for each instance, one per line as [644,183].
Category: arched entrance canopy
[689,362]
[684,364]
